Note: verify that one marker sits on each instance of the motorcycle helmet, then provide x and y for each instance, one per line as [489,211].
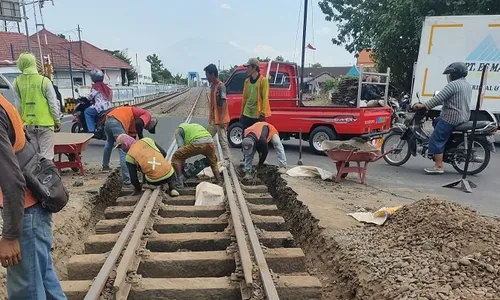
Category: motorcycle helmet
[97,75]
[456,71]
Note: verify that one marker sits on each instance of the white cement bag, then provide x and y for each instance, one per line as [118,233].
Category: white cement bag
[209,194]
[309,171]
[207,172]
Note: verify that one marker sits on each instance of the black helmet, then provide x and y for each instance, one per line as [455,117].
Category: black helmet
[456,70]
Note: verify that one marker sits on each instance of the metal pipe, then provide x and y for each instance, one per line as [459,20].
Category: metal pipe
[303,59]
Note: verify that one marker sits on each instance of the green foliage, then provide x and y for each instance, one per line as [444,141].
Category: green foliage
[279,58]
[159,73]
[224,74]
[330,85]
[130,74]
[393,27]
[61,36]
[316,65]
[263,59]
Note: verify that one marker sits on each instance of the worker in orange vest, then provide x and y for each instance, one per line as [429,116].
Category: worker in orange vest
[130,120]
[146,156]
[26,242]
[218,112]
[256,138]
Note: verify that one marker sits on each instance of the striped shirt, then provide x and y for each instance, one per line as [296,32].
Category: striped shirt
[455,99]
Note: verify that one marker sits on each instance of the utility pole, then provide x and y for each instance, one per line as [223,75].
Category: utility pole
[80,41]
[219,65]
[304,31]
[26,24]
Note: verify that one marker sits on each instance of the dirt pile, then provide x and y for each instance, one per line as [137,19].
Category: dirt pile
[347,93]
[430,249]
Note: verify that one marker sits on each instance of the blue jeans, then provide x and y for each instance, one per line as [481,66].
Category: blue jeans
[440,136]
[90,116]
[280,154]
[34,277]
[113,128]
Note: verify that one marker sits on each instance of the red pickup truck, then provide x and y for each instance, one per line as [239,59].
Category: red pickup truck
[289,117]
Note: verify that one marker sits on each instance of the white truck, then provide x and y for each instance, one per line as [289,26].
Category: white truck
[474,40]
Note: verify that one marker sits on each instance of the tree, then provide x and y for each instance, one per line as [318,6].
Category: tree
[159,73]
[330,85]
[61,36]
[224,74]
[316,65]
[267,59]
[131,74]
[392,28]
[279,58]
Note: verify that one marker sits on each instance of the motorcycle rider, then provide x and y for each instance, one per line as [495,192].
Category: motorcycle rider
[455,99]
[101,95]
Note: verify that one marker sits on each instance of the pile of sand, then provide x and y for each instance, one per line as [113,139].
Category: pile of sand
[430,249]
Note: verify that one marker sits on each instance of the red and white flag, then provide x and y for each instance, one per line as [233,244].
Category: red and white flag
[309,46]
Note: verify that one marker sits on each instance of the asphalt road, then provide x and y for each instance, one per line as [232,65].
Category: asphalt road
[485,197]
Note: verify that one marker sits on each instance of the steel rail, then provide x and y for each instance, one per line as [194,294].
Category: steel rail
[102,277]
[265,274]
[246,260]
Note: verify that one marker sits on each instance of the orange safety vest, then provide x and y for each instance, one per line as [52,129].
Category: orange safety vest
[257,130]
[221,113]
[125,115]
[267,113]
[19,143]
[151,161]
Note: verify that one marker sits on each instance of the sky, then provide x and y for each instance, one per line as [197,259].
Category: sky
[187,35]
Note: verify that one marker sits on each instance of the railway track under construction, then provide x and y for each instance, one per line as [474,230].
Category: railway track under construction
[154,246]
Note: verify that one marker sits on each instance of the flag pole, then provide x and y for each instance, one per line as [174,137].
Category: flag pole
[301,86]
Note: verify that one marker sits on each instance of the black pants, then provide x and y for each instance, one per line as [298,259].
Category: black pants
[170,182]
[247,122]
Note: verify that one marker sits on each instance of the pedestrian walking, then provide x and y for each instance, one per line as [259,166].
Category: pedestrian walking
[39,108]
[218,113]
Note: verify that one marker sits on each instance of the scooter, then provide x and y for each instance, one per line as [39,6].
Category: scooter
[397,116]
[411,138]
[79,123]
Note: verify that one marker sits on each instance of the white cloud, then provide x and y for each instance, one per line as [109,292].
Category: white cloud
[324,31]
[263,51]
[225,6]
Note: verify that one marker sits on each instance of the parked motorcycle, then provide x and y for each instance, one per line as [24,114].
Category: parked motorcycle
[79,123]
[411,138]
[405,102]
[397,116]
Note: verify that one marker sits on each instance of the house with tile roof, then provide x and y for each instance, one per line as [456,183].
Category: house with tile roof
[69,60]
[314,78]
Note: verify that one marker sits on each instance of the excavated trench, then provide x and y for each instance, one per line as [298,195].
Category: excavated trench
[324,257]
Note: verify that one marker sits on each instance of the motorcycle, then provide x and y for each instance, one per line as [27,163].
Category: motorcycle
[411,138]
[405,102]
[79,123]
[397,116]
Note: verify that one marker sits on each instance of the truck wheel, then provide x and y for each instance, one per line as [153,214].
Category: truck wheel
[235,134]
[318,135]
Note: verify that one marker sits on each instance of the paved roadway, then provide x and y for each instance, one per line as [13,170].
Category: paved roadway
[485,198]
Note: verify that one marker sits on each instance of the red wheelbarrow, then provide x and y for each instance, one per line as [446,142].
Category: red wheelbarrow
[71,145]
[342,158]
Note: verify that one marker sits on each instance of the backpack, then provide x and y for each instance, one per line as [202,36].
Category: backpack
[42,178]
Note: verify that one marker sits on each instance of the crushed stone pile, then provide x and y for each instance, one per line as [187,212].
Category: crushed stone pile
[431,249]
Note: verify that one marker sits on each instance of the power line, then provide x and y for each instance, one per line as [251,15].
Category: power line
[297,32]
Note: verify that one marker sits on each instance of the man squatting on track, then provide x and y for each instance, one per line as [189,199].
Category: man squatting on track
[193,139]
[146,156]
